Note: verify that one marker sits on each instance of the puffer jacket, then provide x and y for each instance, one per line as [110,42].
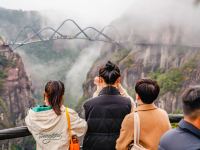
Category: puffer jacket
[104,115]
[50,130]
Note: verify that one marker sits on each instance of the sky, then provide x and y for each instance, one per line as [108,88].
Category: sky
[89,11]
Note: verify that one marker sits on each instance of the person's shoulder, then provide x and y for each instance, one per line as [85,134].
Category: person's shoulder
[162,112]
[129,117]
[90,101]
[170,139]
[169,136]
[73,114]
[163,115]
[171,132]
[128,120]
[70,110]
[124,99]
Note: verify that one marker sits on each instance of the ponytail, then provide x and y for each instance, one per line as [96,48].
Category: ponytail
[55,91]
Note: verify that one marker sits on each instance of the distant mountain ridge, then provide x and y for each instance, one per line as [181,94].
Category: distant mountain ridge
[12,21]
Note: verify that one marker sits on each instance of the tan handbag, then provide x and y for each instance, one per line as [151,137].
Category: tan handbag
[136,145]
[74,142]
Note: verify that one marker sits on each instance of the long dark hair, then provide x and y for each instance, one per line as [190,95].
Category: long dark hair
[110,72]
[55,91]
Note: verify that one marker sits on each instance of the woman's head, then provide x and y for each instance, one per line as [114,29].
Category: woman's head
[54,91]
[110,73]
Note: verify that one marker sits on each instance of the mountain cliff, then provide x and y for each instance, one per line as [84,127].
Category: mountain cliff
[162,45]
[15,92]
[175,68]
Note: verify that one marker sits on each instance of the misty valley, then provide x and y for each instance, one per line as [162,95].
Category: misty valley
[161,45]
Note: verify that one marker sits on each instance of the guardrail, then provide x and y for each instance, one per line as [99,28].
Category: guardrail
[23,131]
[175,118]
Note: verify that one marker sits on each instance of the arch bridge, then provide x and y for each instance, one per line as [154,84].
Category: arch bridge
[81,34]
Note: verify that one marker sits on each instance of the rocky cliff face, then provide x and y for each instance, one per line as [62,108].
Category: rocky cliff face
[157,52]
[15,91]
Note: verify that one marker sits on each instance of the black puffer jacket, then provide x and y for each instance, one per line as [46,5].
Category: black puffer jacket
[104,115]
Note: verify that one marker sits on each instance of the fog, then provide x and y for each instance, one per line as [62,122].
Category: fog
[161,12]
[148,18]
[130,17]
[86,11]
[77,74]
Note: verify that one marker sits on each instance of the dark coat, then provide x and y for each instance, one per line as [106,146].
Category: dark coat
[185,137]
[104,115]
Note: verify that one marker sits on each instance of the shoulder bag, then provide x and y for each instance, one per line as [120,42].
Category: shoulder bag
[136,145]
[73,141]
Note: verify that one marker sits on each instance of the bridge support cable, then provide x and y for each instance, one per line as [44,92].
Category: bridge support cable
[70,20]
[99,35]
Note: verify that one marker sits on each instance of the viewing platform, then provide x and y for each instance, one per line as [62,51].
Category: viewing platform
[23,131]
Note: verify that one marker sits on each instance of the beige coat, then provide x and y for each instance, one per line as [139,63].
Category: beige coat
[50,130]
[154,122]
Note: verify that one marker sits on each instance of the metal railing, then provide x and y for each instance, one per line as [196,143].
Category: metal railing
[16,132]
[23,131]
[175,118]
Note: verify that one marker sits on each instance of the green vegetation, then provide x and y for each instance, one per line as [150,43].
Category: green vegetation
[168,81]
[2,74]
[172,79]
[70,101]
[131,92]
[174,125]
[46,52]
[178,111]
[80,103]
[3,105]
[1,84]
[190,65]
[15,147]
[128,62]
[118,55]
[28,143]
[3,61]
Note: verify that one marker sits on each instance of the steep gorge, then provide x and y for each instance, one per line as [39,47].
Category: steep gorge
[166,51]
